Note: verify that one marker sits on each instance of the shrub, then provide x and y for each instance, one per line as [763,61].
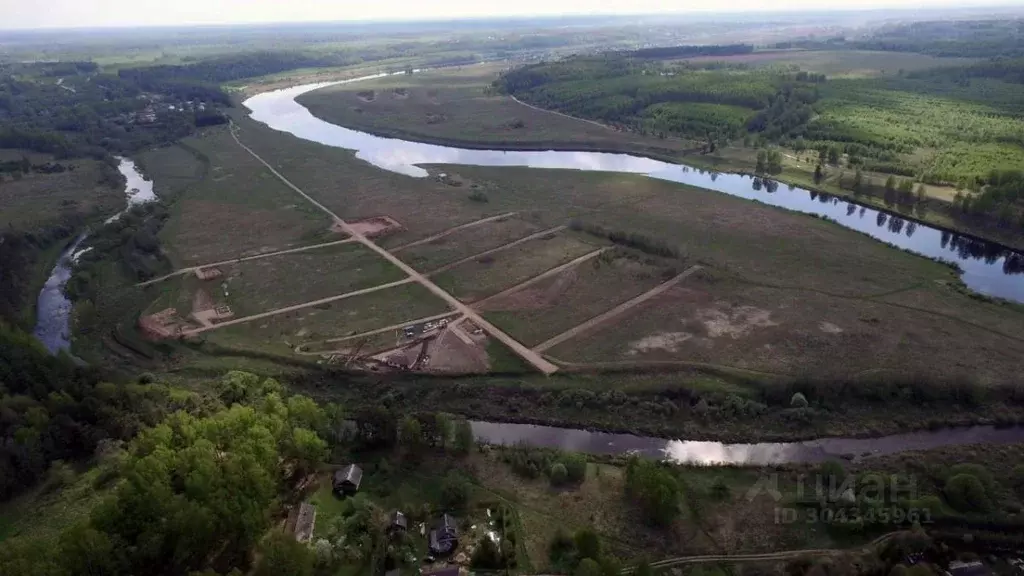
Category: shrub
[575,466]
[561,548]
[720,490]
[588,545]
[798,401]
[559,474]
[966,493]
[454,491]
[478,196]
[588,567]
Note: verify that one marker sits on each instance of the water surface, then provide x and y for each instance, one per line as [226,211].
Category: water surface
[760,454]
[987,267]
[53,309]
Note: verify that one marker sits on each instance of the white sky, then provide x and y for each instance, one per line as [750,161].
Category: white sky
[95,13]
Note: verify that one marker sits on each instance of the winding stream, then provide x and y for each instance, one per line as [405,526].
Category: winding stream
[53,309]
[762,454]
[986,267]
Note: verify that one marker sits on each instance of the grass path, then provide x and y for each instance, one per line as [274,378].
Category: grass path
[512,244]
[538,278]
[440,235]
[533,358]
[295,307]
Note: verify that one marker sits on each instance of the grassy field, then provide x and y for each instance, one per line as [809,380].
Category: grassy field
[281,334]
[238,209]
[40,199]
[492,273]
[455,107]
[553,305]
[839,63]
[465,243]
[45,511]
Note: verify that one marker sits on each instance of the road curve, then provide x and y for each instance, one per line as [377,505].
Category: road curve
[533,358]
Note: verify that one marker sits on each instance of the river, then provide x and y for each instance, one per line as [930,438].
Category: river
[987,268]
[53,309]
[717,453]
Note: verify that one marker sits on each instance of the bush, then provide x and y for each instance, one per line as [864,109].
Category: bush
[720,490]
[588,567]
[479,196]
[798,401]
[562,548]
[965,493]
[559,474]
[575,466]
[588,545]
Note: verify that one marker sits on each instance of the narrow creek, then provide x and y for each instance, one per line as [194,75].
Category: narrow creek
[987,267]
[53,309]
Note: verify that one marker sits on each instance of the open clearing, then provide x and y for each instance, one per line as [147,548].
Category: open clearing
[551,306]
[239,209]
[37,198]
[491,273]
[467,242]
[283,333]
[453,106]
[795,332]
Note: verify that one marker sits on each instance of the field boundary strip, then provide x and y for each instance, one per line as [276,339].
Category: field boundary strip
[295,307]
[511,244]
[542,276]
[450,231]
[239,260]
[618,310]
[533,358]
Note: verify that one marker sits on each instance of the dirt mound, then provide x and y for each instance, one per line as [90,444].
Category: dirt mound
[161,325]
[376,226]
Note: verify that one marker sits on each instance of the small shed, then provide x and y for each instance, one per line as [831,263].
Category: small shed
[346,481]
[399,523]
[444,538]
[305,523]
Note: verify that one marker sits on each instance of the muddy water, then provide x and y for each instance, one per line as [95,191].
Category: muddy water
[694,452]
[53,309]
[987,268]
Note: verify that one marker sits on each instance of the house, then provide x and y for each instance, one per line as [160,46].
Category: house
[976,568]
[444,538]
[346,481]
[399,523]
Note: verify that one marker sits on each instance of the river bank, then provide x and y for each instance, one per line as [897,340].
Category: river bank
[53,308]
[987,268]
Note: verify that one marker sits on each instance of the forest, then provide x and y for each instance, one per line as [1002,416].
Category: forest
[687,100]
[959,126]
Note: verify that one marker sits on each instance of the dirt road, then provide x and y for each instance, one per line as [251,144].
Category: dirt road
[533,236]
[621,308]
[535,359]
[191,269]
[440,235]
[386,329]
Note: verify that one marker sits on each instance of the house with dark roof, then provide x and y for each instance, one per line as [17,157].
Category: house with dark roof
[444,538]
[399,523]
[346,481]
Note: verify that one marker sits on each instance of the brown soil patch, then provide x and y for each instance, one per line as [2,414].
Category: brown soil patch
[536,297]
[376,226]
[733,321]
[201,301]
[163,324]
[449,353]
